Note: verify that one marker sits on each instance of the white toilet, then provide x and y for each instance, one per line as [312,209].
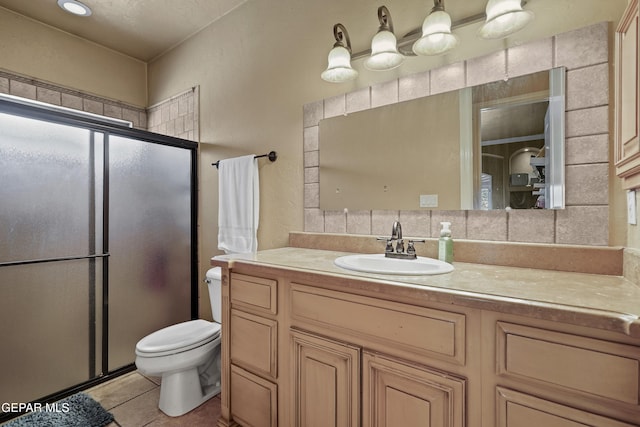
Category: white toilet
[186,356]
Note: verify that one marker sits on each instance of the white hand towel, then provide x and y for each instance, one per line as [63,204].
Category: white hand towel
[239,205]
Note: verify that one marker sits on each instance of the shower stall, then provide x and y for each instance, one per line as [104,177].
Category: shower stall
[97,246]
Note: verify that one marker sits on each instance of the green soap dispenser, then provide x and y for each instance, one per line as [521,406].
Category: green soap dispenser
[445,244]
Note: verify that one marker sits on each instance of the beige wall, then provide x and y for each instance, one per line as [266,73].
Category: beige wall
[37,51]
[259,65]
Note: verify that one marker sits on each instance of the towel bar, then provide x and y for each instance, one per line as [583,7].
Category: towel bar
[272,155]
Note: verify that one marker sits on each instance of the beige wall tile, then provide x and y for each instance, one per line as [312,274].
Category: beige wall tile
[312,195]
[49,96]
[314,220]
[310,138]
[335,222]
[312,113]
[112,111]
[532,226]
[93,106]
[589,121]
[311,158]
[359,222]
[582,225]
[448,78]
[311,175]
[487,225]
[132,116]
[71,101]
[384,93]
[335,106]
[414,86]
[588,87]
[587,184]
[21,89]
[4,85]
[485,69]
[382,222]
[530,58]
[359,100]
[582,47]
[416,223]
[587,149]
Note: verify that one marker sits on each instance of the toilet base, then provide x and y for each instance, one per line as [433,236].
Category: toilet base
[180,392]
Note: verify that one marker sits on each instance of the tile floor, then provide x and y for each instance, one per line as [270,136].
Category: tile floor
[133,401]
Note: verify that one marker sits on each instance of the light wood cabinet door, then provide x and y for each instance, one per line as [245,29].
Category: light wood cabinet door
[402,394]
[326,386]
[627,104]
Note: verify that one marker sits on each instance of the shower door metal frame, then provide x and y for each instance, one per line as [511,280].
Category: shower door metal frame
[106,127]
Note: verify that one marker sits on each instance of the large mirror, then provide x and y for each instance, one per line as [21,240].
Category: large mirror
[495,146]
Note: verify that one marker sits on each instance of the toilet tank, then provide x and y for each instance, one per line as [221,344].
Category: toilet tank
[214,279]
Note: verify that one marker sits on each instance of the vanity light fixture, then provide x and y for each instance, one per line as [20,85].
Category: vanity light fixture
[339,69]
[74,7]
[436,33]
[501,19]
[504,17]
[384,46]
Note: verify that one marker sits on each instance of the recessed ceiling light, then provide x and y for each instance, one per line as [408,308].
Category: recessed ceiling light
[75,7]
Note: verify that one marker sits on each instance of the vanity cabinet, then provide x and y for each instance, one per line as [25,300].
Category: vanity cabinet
[627,99]
[311,349]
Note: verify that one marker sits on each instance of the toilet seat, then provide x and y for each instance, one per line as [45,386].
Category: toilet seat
[178,338]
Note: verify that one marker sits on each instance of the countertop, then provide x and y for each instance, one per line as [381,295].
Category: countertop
[592,300]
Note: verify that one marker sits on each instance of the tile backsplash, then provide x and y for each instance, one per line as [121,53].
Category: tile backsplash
[584,221]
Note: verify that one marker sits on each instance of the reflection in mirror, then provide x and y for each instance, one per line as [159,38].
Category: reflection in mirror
[517,142]
[494,146]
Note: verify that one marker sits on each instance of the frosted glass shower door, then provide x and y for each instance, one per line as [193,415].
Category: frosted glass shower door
[48,280]
[149,242]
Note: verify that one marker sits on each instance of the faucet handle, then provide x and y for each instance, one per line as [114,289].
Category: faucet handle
[389,247]
[411,250]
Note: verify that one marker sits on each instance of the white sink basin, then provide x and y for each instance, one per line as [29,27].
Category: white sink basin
[379,264]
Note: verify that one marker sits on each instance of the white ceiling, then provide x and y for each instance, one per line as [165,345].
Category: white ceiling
[142,29]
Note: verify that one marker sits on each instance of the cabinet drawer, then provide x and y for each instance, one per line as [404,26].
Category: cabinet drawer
[254,343]
[254,293]
[569,362]
[253,399]
[522,410]
[425,331]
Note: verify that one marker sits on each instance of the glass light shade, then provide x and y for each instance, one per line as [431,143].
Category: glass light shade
[384,52]
[504,17]
[436,35]
[339,69]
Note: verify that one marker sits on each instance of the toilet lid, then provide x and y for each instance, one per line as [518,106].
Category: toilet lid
[181,337]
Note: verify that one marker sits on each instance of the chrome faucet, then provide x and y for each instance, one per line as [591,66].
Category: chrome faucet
[396,230]
[399,251]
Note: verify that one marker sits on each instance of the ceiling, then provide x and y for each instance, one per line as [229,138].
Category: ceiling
[143,29]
